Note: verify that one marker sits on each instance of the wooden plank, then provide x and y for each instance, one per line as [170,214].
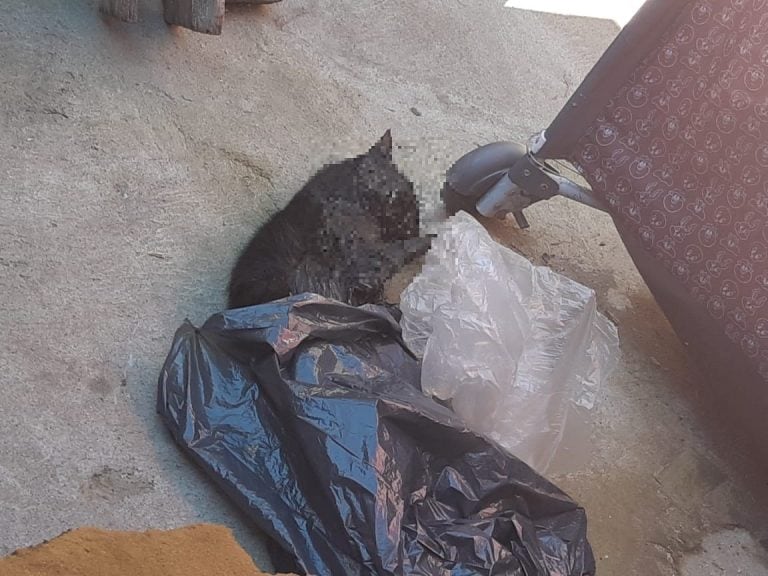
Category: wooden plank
[206,16]
[125,10]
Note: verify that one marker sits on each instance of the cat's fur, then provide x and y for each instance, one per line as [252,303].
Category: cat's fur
[350,228]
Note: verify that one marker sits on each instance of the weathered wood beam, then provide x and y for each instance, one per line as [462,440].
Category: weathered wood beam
[206,16]
[125,10]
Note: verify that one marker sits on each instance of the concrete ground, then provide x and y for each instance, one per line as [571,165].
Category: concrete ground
[136,159]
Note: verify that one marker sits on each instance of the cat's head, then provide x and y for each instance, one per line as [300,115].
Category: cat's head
[387,191]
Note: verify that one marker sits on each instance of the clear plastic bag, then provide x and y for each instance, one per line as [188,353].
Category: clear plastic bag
[519,350]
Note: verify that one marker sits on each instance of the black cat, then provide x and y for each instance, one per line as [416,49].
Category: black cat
[343,235]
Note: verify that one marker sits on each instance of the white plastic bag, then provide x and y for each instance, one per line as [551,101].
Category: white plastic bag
[519,350]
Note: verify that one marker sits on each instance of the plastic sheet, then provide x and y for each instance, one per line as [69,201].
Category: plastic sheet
[519,350]
[308,414]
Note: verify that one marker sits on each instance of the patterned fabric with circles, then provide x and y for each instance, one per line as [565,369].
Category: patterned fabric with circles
[680,154]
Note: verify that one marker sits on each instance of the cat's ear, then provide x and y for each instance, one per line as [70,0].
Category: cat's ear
[384,146]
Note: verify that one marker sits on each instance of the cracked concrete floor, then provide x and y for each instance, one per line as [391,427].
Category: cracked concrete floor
[136,159]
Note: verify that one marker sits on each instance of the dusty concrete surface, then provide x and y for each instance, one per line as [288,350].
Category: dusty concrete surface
[135,160]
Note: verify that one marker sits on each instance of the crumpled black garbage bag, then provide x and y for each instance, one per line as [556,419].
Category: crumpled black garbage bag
[308,414]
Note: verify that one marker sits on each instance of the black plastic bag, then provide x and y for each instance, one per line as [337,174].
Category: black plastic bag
[308,414]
